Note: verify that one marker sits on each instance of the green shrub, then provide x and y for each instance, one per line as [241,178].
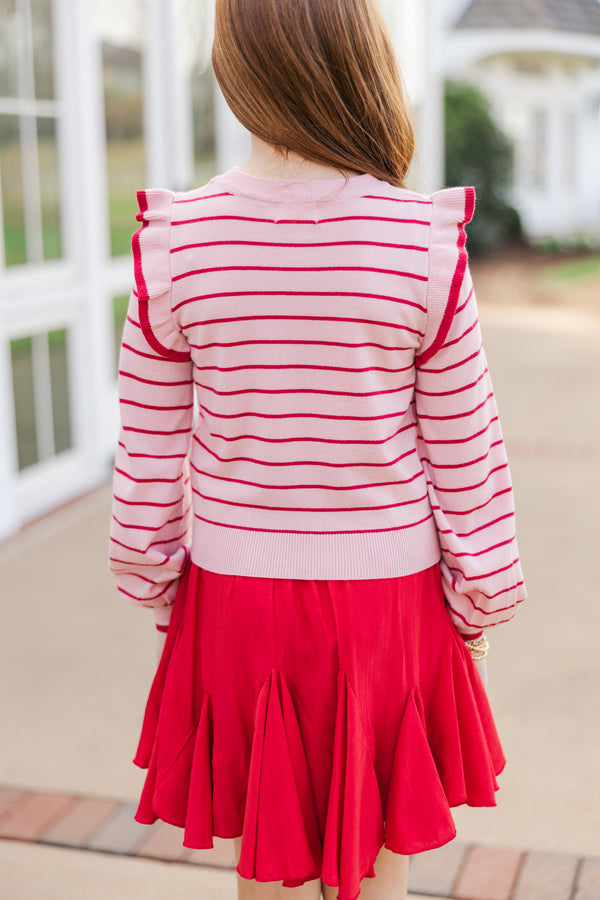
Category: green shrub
[479,154]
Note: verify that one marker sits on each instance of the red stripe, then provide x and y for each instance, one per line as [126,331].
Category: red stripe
[459,390]
[454,365]
[152,455]
[463,335]
[464,305]
[486,613]
[176,539]
[471,487]
[239,319]
[308,246]
[149,480]
[467,512]
[481,575]
[399,200]
[289,531]
[315,368]
[128,562]
[307,487]
[465,534]
[479,552]
[297,269]
[159,408]
[165,540]
[308,293]
[124,374]
[455,287]
[148,502]
[312,440]
[145,355]
[329,465]
[144,599]
[301,221]
[308,509]
[260,342]
[464,440]
[150,527]
[205,197]
[158,433]
[143,295]
[461,415]
[506,590]
[464,465]
[253,390]
[258,415]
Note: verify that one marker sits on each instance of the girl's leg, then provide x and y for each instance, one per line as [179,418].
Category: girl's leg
[390,882]
[273,890]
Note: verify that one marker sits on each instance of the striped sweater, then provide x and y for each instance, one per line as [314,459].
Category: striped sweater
[304,394]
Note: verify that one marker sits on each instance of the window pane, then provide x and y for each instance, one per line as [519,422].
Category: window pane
[203,99]
[59,381]
[195,30]
[22,373]
[120,305]
[49,187]
[12,191]
[43,48]
[8,49]
[122,58]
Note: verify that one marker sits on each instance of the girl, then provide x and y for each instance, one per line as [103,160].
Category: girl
[324,545]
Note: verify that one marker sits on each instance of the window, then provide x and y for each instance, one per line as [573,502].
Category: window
[40,375]
[121,28]
[30,214]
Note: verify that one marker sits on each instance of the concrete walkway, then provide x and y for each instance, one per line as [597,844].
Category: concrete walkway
[76,662]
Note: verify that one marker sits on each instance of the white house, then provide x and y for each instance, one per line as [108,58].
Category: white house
[538,62]
[98,99]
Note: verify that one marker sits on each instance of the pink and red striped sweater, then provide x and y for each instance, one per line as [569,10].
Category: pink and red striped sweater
[345,423]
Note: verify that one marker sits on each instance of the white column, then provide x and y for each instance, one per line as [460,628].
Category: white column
[167,100]
[233,141]
[431,125]
[85,195]
[8,447]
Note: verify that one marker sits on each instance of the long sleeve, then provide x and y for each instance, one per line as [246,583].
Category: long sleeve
[151,524]
[460,439]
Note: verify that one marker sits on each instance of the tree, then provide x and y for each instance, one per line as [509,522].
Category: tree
[479,154]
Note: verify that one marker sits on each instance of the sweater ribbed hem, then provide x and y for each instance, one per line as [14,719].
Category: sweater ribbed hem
[333,557]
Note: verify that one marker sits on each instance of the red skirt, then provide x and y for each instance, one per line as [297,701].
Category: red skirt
[319,720]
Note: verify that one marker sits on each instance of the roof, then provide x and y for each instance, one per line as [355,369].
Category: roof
[579,16]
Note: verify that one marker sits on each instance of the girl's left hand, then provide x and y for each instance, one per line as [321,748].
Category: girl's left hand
[481,666]
[160,645]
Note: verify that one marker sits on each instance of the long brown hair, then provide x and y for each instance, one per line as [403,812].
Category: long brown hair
[317,77]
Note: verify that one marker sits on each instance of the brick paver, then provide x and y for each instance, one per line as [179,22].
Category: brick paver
[31,816]
[120,833]
[221,856]
[453,872]
[80,822]
[546,876]
[9,797]
[162,842]
[488,873]
[588,881]
[437,870]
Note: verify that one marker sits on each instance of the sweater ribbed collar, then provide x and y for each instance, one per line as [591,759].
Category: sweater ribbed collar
[285,190]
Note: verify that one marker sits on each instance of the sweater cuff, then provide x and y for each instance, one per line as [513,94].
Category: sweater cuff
[162,617]
[471,637]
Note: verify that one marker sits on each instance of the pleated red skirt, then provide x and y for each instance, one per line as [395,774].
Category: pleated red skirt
[318,720]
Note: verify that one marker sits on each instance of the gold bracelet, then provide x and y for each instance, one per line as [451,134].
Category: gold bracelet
[479,648]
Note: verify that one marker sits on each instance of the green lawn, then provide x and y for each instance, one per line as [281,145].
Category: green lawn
[572,270]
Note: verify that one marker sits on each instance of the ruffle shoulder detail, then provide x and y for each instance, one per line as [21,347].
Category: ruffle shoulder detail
[151,247]
[452,209]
